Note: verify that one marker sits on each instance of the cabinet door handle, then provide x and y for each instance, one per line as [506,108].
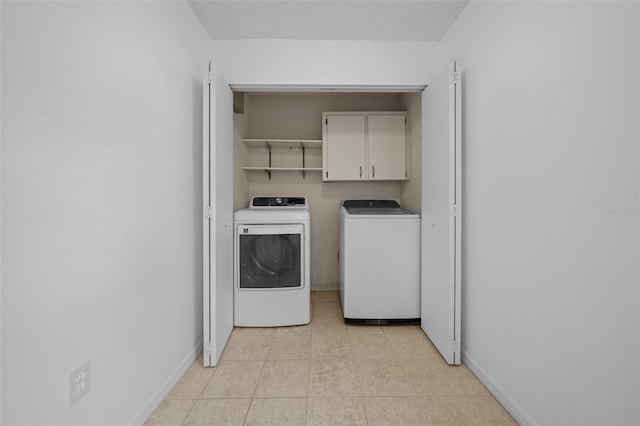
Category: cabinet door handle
[373,171]
[360,171]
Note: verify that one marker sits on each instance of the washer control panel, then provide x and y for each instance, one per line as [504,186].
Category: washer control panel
[278,202]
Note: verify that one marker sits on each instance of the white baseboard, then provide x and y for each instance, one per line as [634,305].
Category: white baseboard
[518,414]
[147,409]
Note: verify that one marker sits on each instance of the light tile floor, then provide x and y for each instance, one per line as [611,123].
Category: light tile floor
[329,373]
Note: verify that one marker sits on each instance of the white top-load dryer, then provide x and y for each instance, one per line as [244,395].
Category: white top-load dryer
[379,262]
[272,263]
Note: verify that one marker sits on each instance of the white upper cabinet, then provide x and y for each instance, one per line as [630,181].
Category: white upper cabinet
[364,146]
[344,147]
[386,142]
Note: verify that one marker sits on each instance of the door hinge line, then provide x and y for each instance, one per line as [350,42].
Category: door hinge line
[208,212]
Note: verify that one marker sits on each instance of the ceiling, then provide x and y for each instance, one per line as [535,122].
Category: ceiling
[394,20]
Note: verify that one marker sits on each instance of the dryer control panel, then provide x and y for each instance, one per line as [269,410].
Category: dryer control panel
[278,202]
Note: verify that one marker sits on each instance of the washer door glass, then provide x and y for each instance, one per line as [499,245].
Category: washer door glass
[270,260]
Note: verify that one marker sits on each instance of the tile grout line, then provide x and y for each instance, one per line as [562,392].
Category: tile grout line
[306,419]
[255,389]
[306,409]
[190,410]
[360,388]
[364,408]
[194,400]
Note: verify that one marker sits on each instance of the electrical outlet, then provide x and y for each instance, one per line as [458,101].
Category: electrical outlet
[78,383]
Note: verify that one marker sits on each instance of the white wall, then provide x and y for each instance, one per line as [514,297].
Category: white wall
[327,62]
[101,205]
[550,275]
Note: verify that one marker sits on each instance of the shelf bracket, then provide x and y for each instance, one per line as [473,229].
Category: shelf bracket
[269,171]
[302,160]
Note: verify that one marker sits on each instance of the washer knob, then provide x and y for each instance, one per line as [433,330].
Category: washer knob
[279,201]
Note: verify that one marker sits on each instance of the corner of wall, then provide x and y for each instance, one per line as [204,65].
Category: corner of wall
[518,414]
[163,390]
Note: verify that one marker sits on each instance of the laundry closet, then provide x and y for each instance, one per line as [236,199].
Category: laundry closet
[278,134]
[271,141]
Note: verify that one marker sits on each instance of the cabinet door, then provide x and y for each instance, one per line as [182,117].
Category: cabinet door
[387,158]
[344,148]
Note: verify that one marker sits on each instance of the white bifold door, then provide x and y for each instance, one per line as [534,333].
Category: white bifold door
[218,213]
[441,212]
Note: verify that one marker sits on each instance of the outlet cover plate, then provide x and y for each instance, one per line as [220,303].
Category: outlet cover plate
[78,383]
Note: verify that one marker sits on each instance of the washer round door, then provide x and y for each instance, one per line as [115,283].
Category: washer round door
[270,257]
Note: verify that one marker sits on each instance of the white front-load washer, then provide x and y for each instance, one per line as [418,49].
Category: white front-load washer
[272,263]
